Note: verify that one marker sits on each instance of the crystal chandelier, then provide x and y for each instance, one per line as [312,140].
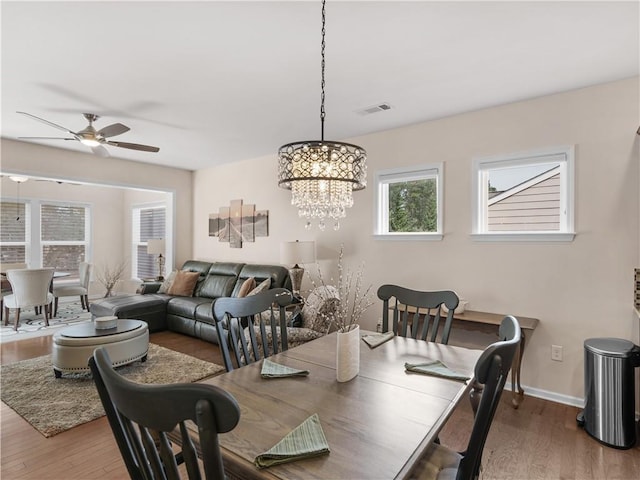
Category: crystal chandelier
[322,174]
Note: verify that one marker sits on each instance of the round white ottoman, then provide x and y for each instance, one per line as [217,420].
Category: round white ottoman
[73,346]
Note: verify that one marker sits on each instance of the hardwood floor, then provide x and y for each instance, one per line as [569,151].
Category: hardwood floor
[540,440]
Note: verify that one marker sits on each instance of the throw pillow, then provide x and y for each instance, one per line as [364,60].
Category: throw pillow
[184,284]
[265,285]
[248,285]
[320,307]
[166,285]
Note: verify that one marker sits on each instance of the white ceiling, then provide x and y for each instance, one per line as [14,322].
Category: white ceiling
[215,82]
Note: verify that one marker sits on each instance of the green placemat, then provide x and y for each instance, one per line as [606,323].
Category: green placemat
[275,370]
[307,440]
[376,339]
[435,368]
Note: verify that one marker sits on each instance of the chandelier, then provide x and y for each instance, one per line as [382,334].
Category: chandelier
[322,174]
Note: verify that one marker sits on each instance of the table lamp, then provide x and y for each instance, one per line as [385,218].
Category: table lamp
[295,253]
[156,247]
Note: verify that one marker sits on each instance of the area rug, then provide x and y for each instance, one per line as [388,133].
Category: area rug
[32,325]
[53,405]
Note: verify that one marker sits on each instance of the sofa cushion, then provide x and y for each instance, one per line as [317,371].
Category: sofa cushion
[248,285]
[264,285]
[186,306]
[184,284]
[279,276]
[166,284]
[220,280]
[197,266]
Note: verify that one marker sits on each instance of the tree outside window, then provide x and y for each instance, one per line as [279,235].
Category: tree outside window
[410,202]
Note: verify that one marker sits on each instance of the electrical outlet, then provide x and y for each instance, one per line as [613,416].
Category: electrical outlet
[556,353]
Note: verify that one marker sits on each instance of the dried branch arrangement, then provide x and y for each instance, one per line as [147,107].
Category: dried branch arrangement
[110,275]
[353,299]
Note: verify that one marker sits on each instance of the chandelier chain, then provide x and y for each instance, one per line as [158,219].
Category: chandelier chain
[322,82]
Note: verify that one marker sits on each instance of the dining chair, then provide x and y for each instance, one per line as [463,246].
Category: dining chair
[30,288]
[491,370]
[242,322]
[144,417]
[5,286]
[80,288]
[409,308]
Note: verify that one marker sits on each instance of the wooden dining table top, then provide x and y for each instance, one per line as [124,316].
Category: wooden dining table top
[377,425]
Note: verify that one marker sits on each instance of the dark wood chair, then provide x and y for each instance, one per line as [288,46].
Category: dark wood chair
[265,316]
[141,416]
[491,371]
[412,308]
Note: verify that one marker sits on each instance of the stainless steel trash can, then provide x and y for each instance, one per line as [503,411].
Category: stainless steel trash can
[609,384]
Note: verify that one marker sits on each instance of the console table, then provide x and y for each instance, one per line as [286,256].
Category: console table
[473,318]
[484,321]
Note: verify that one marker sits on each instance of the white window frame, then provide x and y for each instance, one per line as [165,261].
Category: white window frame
[406,174]
[563,155]
[135,235]
[87,229]
[28,256]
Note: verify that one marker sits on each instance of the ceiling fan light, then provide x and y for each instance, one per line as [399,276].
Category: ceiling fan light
[89,142]
[18,178]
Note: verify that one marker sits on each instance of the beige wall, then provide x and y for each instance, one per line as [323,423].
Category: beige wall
[32,159]
[578,290]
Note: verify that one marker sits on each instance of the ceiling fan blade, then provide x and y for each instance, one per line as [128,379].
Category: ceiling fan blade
[48,138]
[113,130]
[133,146]
[54,125]
[100,151]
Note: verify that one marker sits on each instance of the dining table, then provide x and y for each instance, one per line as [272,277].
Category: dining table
[377,425]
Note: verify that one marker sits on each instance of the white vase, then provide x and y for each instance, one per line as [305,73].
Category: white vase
[348,354]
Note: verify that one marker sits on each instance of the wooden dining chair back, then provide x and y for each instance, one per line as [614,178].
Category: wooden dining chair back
[252,327]
[417,314]
[143,418]
[30,288]
[79,288]
[491,371]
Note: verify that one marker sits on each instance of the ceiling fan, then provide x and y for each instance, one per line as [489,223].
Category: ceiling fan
[92,138]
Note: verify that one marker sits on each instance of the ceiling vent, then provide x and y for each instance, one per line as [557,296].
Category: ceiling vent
[381,107]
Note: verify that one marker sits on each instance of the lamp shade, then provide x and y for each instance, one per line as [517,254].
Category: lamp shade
[155,246]
[293,253]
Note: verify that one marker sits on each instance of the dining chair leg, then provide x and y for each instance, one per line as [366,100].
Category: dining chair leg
[86,302]
[47,313]
[55,307]
[15,327]
[1,310]
[82,302]
[6,316]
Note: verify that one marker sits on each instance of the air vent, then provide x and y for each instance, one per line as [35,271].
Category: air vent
[381,107]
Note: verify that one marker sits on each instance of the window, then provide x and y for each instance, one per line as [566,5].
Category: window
[149,222]
[524,196]
[64,235]
[15,234]
[409,203]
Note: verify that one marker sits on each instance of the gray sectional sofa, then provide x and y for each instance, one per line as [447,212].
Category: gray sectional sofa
[190,315]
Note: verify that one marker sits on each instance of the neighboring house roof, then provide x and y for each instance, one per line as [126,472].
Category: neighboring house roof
[524,185]
[533,205]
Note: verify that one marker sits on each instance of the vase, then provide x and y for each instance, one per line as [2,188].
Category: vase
[348,354]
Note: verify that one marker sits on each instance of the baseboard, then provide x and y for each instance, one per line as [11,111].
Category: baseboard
[555,397]
[551,396]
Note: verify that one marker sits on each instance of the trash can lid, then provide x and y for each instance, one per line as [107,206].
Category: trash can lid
[612,347]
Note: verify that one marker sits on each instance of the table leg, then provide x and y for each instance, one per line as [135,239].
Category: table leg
[517,395]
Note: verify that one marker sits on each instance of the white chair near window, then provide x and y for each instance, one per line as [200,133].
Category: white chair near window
[30,289]
[80,288]
[5,286]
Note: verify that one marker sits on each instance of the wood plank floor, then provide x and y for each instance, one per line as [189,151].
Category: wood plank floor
[540,440]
